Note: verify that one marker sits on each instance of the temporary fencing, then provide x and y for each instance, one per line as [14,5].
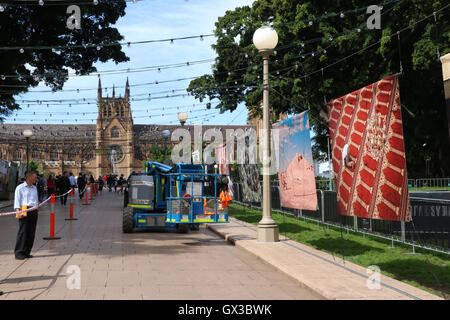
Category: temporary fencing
[89,188]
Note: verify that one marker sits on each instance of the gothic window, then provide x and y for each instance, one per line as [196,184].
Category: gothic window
[54,155]
[35,154]
[109,111]
[17,155]
[114,132]
[117,111]
[122,111]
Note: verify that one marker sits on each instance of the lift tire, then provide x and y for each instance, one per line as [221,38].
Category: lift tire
[194,226]
[125,198]
[182,228]
[128,220]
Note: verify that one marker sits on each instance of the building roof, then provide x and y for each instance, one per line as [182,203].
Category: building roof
[150,132]
[48,131]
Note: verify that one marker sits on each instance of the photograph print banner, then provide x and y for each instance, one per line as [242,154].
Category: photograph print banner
[368,154]
[295,164]
[251,188]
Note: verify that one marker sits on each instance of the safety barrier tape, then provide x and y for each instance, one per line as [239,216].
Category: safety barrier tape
[35,207]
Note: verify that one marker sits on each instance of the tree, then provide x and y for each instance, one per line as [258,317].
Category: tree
[160,154]
[236,75]
[30,25]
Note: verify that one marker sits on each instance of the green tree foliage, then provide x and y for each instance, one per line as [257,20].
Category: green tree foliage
[33,25]
[160,154]
[237,74]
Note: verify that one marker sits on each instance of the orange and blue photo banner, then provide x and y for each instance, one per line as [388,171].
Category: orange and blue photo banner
[295,163]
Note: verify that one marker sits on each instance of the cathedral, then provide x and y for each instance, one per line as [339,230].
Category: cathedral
[113,145]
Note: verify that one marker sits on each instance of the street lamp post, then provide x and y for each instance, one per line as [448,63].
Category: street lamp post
[28,133]
[166,135]
[265,40]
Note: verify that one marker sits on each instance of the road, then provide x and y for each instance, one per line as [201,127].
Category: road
[143,265]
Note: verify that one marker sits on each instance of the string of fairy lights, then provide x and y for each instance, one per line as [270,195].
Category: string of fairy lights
[277,72]
[330,37]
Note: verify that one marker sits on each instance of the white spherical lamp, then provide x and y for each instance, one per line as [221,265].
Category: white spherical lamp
[182,117]
[265,39]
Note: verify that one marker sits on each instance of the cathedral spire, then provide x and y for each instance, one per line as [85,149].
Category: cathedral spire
[127,90]
[99,88]
[114,91]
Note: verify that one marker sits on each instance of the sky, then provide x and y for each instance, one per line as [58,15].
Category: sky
[294,137]
[147,20]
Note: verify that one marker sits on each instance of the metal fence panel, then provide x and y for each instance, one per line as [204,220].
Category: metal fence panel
[430,225]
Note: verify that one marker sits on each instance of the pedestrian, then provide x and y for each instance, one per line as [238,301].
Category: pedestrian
[110,182]
[115,183]
[58,185]
[50,186]
[41,182]
[100,183]
[81,182]
[65,187]
[122,182]
[73,182]
[26,195]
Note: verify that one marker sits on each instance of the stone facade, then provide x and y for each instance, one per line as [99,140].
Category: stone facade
[88,148]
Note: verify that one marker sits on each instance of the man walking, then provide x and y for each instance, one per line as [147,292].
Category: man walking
[41,182]
[81,181]
[65,187]
[26,196]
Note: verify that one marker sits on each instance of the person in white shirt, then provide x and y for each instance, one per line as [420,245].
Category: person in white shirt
[26,195]
[73,181]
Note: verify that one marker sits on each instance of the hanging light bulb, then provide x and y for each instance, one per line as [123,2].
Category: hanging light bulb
[21,50]
[201,37]
[98,48]
[171,41]
[95,2]
[41,2]
[1,8]
[342,15]
[129,44]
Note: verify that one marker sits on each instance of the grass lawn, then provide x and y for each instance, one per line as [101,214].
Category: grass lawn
[426,270]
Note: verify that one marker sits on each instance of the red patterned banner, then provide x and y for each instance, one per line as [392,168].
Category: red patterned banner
[368,153]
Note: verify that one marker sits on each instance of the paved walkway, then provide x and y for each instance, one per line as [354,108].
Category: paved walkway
[142,265]
[6,203]
[329,276]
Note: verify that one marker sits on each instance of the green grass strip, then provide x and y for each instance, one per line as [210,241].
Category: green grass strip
[426,270]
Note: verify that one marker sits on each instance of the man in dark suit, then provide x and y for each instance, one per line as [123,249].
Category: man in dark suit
[81,182]
[65,187]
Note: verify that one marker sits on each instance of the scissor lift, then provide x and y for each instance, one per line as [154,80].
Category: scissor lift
[166,197]
[190,201]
